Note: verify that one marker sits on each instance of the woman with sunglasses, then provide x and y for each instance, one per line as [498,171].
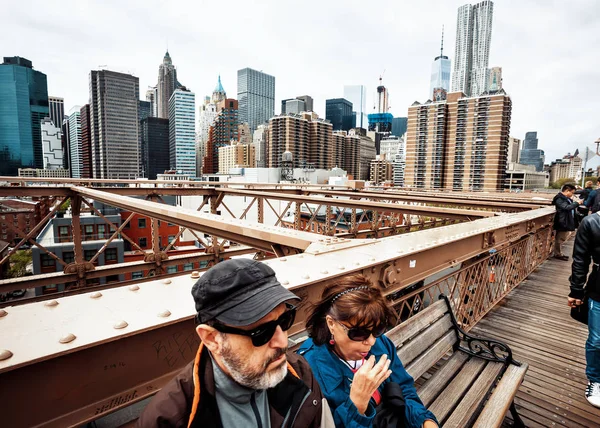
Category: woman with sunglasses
[351,357]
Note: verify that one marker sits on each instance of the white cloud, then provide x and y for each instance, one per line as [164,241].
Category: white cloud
[547,49]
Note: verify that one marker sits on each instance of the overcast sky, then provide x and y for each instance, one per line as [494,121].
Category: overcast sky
[548,51]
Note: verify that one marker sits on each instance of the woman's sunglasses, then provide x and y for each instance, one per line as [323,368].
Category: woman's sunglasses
[264,332]
[360,334]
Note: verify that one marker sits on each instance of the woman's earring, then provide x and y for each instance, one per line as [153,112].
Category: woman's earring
[332,340]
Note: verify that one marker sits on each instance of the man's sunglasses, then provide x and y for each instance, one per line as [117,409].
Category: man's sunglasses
[264,332]
[360,334]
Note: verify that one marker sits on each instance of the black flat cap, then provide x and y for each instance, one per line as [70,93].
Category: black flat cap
[238,292]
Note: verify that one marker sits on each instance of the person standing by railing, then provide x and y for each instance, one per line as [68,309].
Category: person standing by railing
[586,291]
[564,220]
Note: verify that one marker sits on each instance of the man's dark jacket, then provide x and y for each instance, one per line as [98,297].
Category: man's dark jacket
[189,399]
[586,249]
[564,220]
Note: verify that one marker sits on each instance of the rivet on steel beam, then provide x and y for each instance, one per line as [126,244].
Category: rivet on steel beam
[120,324]
[285,282]
[3,313]
[300,256]
[164,314]
[134,287]
[283,259]
[166,281]
[356,263]
[96,295]
[305,277]
[341,267]
[372,259]
[324,272]
[51,303]
[67,338]
[5,354]
[195,274]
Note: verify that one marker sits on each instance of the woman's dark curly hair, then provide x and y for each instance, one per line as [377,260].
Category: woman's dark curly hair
[365,307]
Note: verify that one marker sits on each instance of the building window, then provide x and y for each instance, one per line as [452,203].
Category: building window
[188,266]
[112,278]
[142,242]
[141,223]
[171,269]
[89,229]
[171,238]
[101,231]
[137,275]
[89,254]
[68,257]
[110,254]
[46,260]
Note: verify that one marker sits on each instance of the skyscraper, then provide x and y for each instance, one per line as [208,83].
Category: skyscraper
[440,75]
[383,97]
[155,146]
[56,106]
[75,146]
[308,102]
[495,79]
[357,95]
[399,126]
[514,150]
[51,145]
[530,154]
[458,144]
[23,106]
[114,124]
[339,112]
[182,131]
[167,83]
[220,134]
[151,96]
[295,106]
[86,143]
[256,97]
[473,38]
[206,118]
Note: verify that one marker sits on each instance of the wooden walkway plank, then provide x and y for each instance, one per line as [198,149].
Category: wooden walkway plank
[534,321]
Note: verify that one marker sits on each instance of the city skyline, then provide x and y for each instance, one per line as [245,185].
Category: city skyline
[544,50]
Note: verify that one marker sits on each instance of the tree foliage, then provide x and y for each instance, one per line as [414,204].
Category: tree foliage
[18,263]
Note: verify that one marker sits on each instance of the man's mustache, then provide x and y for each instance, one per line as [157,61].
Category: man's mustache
[278,353]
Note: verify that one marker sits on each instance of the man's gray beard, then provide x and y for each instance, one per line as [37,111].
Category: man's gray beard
[242,374]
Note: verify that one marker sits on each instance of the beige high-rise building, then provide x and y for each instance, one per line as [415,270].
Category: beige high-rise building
[346,151]
[237,155]
[459,144]
[514,148]
[306,136]
[381,170]
[366,153]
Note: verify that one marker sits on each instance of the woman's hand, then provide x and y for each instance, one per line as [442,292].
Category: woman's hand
[366,381]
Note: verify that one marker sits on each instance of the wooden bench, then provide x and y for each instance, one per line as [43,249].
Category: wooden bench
[475,385]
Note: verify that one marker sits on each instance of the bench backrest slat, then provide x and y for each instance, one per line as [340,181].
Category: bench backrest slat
[432,355]
[418,344]
[415,324]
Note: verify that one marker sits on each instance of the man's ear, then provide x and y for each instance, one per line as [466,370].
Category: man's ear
[210,337]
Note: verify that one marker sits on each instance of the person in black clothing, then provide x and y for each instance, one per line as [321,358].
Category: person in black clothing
[586,249]
[585,192]
[564,220]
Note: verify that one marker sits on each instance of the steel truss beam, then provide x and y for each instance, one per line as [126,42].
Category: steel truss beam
[106,367]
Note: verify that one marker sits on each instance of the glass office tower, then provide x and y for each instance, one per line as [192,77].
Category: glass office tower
[23,106]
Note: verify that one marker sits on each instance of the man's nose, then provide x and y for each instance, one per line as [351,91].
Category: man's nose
[279,339]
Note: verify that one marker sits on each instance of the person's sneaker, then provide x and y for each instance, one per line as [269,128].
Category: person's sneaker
[592,393]
[561,257]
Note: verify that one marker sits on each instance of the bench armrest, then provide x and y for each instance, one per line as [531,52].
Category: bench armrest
[488,349]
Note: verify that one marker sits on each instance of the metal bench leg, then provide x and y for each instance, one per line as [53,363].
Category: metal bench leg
[516,418]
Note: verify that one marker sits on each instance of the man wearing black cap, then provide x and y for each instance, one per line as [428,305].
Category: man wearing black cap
[242,375]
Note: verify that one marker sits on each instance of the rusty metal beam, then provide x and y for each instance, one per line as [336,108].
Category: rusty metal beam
[365,205]
[40,280]
[255,235]
[105,368]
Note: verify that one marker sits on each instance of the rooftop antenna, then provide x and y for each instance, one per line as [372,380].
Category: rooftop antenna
[442,47]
